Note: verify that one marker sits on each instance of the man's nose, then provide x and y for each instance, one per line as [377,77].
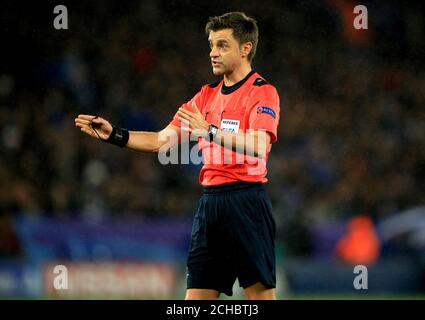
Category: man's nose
[213,52]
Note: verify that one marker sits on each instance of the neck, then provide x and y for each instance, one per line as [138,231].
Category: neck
[237,75]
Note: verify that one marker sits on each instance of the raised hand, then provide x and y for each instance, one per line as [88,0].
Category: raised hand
[197,124]
[94,126]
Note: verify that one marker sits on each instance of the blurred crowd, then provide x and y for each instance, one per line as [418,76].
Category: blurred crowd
[351,137]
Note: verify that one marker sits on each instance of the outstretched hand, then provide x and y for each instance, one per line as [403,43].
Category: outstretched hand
[94,126]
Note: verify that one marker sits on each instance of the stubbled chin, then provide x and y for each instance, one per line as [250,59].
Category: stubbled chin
[218,72]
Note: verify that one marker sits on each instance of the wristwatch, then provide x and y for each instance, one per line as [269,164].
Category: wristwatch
[212,132]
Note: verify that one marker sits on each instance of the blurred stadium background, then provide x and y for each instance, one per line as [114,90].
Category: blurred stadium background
[346,176]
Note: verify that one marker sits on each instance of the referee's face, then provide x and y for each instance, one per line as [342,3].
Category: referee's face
[225,54]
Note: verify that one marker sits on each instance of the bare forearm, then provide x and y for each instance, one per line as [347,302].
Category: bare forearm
[154,141]
[143,141]
[254,144]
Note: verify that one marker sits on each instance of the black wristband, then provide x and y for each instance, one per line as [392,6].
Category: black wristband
[118,137]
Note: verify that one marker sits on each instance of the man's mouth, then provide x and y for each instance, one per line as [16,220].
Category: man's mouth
[215,63]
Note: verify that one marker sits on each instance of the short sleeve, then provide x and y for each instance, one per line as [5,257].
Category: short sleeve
[264,111]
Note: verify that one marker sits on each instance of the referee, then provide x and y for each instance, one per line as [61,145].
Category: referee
[235,121]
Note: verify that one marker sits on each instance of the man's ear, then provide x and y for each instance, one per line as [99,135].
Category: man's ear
[246,49]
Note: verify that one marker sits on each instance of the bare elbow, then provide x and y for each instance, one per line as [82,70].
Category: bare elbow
[166,140]
[161,147]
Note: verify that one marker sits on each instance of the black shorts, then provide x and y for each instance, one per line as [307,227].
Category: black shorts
[233,237]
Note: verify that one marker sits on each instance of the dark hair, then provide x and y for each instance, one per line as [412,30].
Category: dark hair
[244,28]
